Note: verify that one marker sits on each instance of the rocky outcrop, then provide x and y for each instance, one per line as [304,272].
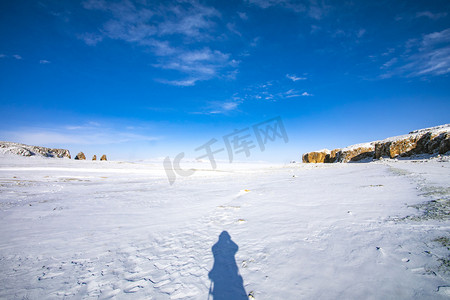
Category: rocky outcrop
[94,157]
[418,143]
[355,153]
[316,156]
[424,141]
[80,156]
[26,150]
[103,157]
[352,153]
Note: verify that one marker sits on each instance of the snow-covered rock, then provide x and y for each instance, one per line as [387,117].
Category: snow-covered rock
[26,150]
[316,157]
[350,153]
[419,142]
[80,156]
[423,141]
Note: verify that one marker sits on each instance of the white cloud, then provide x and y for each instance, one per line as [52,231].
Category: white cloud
[152,26]
[291,94]
[270,91]
[227,106]
[190,22]
[17,56]
[199,64]
[388,52]
[221,107]
[291,5]
[360,32]
[184,82]
[317,9]
[255,41]
[73,127]
[141,23]
[90,39]
[242,15]
[44,61]
[430,15]
[428,56]
[389,63]
[232,28]
[313,8]
[2,55]
[436,38]
[295,78]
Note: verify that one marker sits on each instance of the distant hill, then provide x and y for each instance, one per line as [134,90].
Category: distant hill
[26,150]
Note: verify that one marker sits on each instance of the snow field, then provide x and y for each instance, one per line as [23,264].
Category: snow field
[108,230]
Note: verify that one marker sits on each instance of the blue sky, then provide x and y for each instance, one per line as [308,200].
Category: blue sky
[144,79]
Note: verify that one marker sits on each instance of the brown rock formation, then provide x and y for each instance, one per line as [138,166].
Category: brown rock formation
[315,157]
[421,143]
[424,141]
[103,157]
[333,156]
[352,153]
[356,153]
[94,157]
[80,156]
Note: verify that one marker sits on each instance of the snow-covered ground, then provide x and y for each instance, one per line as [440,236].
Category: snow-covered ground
[87,230]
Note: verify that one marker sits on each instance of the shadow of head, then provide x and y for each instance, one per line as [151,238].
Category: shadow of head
[226,282]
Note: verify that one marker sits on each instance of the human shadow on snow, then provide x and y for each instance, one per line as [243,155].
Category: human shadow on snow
[226,282]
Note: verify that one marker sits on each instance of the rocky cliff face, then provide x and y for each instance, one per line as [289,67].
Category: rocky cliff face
[418,143]
[316,156]
[424,141]
[26,150]
[352,153]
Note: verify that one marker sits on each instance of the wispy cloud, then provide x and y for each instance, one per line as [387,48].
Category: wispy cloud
[428,56]
[225,107]
[183,82]
[2,55]
[44,62]
[295,77]
[90,39]
[430,15]
[292,93]
[232,28]
[221,107]
[243,16]
[199,64]
[360,32]
[292,5]
[271,91]
[313,8]
[154,26]
[17,56]
[389,63]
